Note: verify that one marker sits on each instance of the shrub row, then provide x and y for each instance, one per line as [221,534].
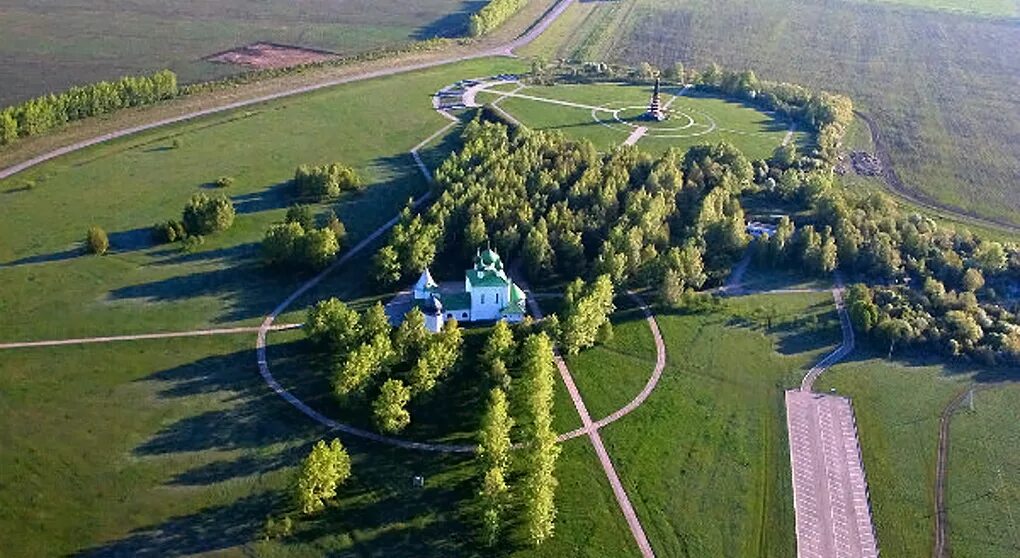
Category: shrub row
[40,114]
[493,15]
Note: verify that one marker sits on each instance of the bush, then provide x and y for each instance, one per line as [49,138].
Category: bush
[302,215]
[171,231]
[96,241]
[192,243]
[224,182]
[277,529]
[206,215]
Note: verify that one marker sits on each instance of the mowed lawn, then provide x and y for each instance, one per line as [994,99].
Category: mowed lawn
[941,85]
[897,407]
[712,119]
[995,8]
[49,46]
[983,499]
[704,459]
[51,290]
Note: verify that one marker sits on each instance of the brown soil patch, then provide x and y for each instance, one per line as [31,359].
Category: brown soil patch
[270,55]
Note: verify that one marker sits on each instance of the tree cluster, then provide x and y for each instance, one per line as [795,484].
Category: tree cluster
[369,358]
[530,488]
[202,215]
[40,114]
[935,287]
[492,15]
[298,243]
[326,181]
[567,210]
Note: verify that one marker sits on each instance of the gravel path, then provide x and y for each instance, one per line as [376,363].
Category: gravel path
[141,336]
[593,430]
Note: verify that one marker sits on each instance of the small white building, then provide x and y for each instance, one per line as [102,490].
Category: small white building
[488,295]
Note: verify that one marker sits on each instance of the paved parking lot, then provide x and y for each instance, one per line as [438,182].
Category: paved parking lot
[830,491]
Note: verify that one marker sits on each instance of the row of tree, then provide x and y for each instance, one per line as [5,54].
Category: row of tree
[492,15]
[40,114]
[567,210]
[534,481]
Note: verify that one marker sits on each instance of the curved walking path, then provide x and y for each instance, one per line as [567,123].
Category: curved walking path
[142,336]
[502,50]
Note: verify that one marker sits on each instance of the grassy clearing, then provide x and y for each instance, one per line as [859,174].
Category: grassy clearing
[713,119]
[139,447]
[930,78]
[984,464]
[56,44]
[704,460]
[50,291]
[897,408]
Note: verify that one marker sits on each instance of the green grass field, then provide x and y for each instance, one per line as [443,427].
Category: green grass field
[705,460]
[941,85]
[983,499]
[696,118]
[51,45]
[51,291]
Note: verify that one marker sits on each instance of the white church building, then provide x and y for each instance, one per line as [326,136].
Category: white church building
[488,295]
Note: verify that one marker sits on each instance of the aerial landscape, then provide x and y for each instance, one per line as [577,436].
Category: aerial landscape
[529,278]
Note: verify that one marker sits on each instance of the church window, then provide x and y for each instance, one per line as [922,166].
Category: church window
[483,298]
[497,298]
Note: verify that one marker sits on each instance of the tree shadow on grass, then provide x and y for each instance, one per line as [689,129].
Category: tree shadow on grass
[277,196]
[211,529]
[249,291]
[451,25]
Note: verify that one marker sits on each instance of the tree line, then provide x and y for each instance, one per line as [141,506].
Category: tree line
[492,15]
[41,114]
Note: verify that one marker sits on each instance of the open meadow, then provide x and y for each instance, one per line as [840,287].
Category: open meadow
[48,46]
[983,498]
[53,291]
[941,85]
[608,113]
[897,405]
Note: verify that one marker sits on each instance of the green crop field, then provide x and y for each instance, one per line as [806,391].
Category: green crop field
[983,496]
[52,44]
[696,118]
[940,85]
